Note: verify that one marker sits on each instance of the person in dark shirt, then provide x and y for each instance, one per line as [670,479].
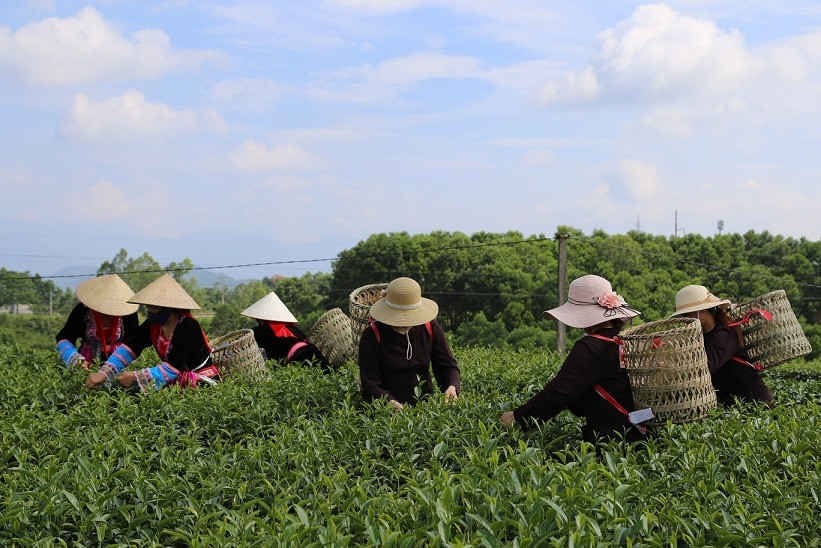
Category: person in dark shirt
[101,320]
[403,342]
[277,334]
[177,337]
[732,373]
[591,382]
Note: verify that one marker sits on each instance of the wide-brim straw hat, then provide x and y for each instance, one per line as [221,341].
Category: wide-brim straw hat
[270,308]
[107,295]
[591,301]
[403,305]
[692,298]
[165,292]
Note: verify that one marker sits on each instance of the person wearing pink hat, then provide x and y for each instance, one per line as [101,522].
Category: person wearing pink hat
[591,382]
[732,373]
[403,340]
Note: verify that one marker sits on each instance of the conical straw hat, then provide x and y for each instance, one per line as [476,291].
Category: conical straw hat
[108,295]
[270,308]
[165,292]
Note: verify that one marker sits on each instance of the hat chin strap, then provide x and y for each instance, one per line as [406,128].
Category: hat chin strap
[409,349]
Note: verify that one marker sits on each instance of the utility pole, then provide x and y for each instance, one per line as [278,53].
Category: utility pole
[675,224]
[677,228]
[561,333]
[50,301]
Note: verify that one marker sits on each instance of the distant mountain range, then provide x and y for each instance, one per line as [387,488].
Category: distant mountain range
[205,278]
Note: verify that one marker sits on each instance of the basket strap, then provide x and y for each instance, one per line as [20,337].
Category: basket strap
[615,340]
[766,314]
[297,345]
[617,406]
[757,366]
[375,330]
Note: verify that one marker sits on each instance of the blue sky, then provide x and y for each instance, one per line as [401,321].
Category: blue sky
[242,131]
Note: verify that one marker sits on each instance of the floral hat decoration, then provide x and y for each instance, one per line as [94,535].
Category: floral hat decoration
[591,301]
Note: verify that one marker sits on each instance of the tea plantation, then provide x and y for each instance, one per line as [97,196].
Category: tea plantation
[299,460]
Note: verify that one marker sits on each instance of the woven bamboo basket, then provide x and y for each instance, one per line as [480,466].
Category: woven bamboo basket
[773,342]
[360,301]
[667,367]
[237,353]
[331,334]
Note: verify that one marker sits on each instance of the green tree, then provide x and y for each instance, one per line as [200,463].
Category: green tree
[140,271]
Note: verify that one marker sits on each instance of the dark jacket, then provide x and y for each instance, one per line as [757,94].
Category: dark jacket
[591,361]
[187,351]
[277,348]
[78,322]
[730,378]
[387,372]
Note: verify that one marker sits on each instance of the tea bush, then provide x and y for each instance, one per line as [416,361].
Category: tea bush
[300,460]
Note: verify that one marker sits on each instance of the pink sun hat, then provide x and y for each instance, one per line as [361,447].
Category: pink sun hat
[591,301]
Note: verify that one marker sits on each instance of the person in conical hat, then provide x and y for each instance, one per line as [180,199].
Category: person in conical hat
[100,321]
[731,372]
[591,382]
[177,337]
[277,334]
[401,346]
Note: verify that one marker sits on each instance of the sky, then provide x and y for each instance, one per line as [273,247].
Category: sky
[240,131]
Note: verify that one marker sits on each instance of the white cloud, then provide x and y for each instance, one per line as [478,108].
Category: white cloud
[144,205]
[521,22]
[523,77]
[670,121]
[85,48]
[640,178]
[658,53]
[254,94]
[103,201]
[574,87]
[701,197]
[255,157]
[385,80]
[382,6]
[289,25]
[130,116]
[403,71]
[689,74]
[324,134]
[662,52]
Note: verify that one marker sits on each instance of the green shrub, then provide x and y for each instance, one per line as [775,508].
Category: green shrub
[299,460]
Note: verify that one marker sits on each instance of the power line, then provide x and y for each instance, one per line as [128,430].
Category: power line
[278,262]
[162,270]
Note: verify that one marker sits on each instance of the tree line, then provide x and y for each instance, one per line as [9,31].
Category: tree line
[492,288]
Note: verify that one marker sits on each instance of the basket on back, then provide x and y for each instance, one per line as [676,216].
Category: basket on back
[360,301]
[772,342]
[667,367]
[331,334]
[237,353]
